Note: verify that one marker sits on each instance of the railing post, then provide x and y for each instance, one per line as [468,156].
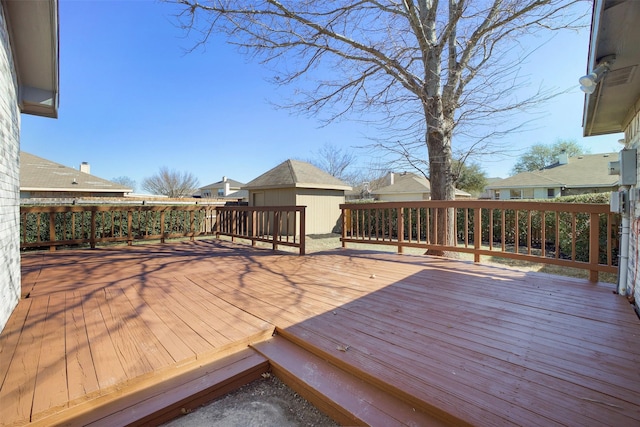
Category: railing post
[254,226]
[234,219]
[276,229]
[52,230]
[400,219]
[192,225]
[162,228]
[303,232]
[594,245]
[477,233]
[345,212]
[130,227]
[216,225]
[92,238]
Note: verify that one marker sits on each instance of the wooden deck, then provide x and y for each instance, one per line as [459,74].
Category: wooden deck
[459,342]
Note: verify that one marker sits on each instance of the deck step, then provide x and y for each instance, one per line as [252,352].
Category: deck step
[165,400]
[346,398]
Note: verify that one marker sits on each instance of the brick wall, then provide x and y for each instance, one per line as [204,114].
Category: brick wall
[9,179]
[632,137]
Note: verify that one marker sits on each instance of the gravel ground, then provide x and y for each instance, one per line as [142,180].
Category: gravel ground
[266,403]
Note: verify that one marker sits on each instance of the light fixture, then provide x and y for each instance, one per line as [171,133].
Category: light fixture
[589,82]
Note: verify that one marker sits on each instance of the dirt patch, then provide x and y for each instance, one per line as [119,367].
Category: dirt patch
[265,402]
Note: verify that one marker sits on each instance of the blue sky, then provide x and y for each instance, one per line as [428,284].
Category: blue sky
[132,100]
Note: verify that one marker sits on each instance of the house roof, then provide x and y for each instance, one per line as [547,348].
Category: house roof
[614,31]
[410,183]
[296,174]
[33,30]
[38,174]
[220,184]
[589,170]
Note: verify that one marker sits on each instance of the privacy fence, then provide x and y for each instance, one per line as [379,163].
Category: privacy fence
[568,234]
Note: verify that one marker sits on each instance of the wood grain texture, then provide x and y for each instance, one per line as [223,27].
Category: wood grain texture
[486,345]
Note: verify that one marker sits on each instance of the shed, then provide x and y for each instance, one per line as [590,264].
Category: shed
[298,183]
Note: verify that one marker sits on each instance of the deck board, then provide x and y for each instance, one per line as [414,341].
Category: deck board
[487,345]
[82,379]
[50,390]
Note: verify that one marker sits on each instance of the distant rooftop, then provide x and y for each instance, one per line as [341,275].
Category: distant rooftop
[39,174]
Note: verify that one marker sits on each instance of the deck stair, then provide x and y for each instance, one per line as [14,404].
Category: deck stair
[182,391]
[339,390]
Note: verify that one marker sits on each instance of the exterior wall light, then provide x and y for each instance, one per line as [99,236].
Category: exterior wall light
[589,82]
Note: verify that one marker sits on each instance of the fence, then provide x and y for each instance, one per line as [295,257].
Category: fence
[53,226]
[278,225]
[77,225]
[545,232]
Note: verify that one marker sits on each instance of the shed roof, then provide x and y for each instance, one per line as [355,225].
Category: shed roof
[38,174]
[589,170]
[296,174]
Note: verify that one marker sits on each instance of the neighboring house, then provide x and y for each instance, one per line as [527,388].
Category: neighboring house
[227,188]
[588,173]
[28,84]
[42,178]
[486,193]
[297,183]
[611,107]
[408,187]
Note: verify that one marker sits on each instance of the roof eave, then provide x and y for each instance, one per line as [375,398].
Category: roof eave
[614,31]
[33,28]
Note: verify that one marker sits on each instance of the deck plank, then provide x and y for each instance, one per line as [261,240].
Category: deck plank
[107,365]
[50,390]
[489,345]
[82,379]
[165,334]
[9,339]
[18,388]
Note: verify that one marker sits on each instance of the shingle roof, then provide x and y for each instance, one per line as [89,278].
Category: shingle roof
[406,183]
[220,184]
[38,174]
[298,174]
[588,170]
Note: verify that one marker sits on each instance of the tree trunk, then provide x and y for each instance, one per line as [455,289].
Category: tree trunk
[438,137]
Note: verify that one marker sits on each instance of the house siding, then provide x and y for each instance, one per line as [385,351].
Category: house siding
[9,178]
[632,134]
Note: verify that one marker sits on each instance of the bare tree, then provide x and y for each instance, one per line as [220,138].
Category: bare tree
[126,181]
[422,69]
[335,161]
[171,183]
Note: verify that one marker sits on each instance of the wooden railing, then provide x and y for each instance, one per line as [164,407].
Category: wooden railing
[53,226]
[278,225]
[545,232]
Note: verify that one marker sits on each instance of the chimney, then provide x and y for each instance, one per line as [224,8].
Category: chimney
[563,158]
[391,178]
[224,178]
[84,167]
[227,188]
